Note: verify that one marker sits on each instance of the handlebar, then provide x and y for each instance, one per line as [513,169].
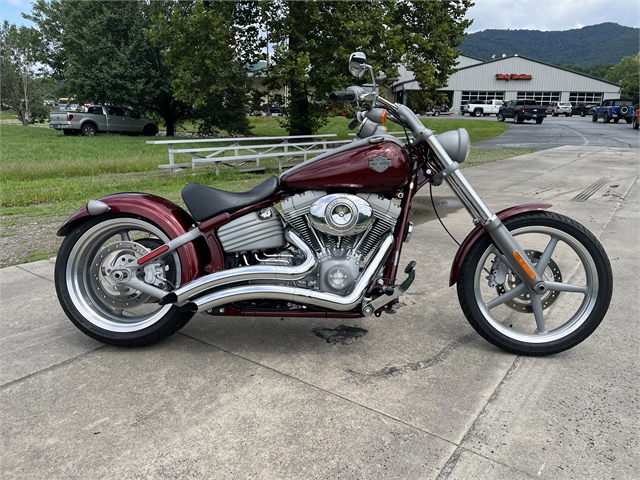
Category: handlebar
[403,115]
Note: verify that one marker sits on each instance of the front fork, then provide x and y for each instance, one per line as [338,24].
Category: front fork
[511,252]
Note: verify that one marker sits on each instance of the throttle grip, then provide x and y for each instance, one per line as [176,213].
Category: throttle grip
[342,96]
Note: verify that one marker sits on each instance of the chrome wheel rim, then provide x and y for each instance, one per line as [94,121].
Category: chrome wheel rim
[570,273]
[92,275]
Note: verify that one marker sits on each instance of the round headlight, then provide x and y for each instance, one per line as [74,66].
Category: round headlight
[456,143]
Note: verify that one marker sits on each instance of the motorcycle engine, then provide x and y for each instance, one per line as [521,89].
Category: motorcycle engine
[342,229]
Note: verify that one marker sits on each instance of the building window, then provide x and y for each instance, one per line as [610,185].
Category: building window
[543,98]
[585,97]
[481,97]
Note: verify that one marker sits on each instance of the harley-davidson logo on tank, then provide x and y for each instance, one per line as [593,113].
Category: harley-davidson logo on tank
[379,163]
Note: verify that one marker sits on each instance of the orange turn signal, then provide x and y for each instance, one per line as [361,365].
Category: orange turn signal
[384,116]
[524,265]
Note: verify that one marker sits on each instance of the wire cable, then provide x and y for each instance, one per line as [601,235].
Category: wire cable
[437,215]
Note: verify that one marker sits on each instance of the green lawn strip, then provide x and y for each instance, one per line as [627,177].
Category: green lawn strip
[44,173]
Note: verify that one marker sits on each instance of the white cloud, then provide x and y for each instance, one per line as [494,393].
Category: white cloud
[551,14]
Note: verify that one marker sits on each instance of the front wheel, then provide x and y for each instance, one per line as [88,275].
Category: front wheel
[579,283]
[500,117]
[594,117]
[94,275]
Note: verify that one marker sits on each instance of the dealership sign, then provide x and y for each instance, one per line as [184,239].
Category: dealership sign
[512,76]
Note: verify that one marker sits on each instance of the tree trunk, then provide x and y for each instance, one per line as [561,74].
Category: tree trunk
[299,121]
[171,126]
[25,82]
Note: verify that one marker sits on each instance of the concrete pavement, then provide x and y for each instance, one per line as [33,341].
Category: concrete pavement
[417,394]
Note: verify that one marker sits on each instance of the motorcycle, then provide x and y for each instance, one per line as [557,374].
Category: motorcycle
[324,240]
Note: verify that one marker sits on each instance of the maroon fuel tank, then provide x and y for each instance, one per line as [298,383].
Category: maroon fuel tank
[362,165]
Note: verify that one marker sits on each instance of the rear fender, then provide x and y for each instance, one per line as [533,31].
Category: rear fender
[171,218]
[479,231]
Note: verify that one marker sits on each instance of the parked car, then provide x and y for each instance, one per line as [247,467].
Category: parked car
[521,110]
[103,118]
[556,108]
[583,109]
[614,110]
[482,108]
[274,107]
[436,112]
[636,118]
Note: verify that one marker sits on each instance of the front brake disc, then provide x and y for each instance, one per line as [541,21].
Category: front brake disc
[522,303]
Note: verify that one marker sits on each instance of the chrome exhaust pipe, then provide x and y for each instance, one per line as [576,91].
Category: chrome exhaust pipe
[245,274]
[296,294]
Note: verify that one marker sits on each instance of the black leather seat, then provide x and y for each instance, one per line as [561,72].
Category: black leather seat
[206,202]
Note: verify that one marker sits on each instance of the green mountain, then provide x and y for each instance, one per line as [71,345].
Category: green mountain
[603,44]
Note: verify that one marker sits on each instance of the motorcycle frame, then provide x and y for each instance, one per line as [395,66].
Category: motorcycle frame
[426,163]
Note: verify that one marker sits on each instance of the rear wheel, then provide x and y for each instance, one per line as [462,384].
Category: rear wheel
[582,114]
[575,269]
[150,131]
[539,120]
[89,130]
[95,271]
[616,120]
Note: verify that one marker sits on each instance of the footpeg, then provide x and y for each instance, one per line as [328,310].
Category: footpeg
[392,292]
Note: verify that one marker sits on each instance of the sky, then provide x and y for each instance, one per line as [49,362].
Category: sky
[488,14]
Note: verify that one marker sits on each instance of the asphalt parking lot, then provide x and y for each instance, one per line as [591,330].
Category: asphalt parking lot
[559,131]
[417,394]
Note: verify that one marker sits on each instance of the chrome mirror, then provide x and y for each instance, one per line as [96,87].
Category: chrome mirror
[357,64]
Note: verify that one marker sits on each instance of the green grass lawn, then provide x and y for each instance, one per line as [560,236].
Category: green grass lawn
[44,173]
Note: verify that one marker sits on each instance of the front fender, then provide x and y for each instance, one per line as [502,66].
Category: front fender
[479,231]
[171,218]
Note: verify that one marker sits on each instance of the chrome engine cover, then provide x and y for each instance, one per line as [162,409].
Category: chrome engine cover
[343,229]
[341,214]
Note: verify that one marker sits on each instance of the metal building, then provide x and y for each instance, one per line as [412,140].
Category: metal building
[510,78]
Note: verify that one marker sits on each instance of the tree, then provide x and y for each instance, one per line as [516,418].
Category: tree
[20,84]
[626,74]
[212,42]
[209,46]
[102,53]
[313,41]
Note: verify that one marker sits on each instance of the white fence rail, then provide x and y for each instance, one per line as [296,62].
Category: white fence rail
[239,151]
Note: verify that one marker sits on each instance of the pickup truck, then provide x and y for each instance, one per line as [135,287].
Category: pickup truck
[521,110]
[102,118]
[614,110]
[475,109]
